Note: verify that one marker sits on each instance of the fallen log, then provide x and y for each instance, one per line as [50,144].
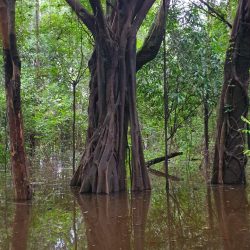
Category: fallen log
[160,159]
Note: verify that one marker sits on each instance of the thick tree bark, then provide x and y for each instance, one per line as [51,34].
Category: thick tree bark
[12,68]
[112,103]
[229,159]
[111,107]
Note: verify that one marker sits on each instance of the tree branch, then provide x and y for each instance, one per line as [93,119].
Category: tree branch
[160,159]
[4,24]
[98,12]
[215,13]
[152,43]
[103,34]
[83,14]
[141,14]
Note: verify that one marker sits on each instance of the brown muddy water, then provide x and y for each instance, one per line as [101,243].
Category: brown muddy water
[192,216]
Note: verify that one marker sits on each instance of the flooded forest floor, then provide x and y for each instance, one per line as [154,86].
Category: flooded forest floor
[192,216]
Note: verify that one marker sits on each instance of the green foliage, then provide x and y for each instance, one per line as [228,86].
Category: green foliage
[247,131]
[53,55]
[195,57]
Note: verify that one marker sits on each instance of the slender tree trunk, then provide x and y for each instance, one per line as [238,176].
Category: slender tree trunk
[229,159]
[12,69]
[166,103]
[206,137]
[74,127]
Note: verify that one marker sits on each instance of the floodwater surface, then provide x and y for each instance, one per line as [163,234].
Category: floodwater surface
[192,216]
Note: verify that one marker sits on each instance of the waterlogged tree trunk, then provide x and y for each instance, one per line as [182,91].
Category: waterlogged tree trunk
[12,67]
[112,103]
[229,159]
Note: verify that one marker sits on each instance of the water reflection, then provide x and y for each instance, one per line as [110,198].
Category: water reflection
[115,222]
[20,228]
[139,213]
[191,217]
[232,212]
[74,228]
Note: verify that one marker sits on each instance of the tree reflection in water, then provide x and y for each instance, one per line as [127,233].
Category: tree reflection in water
[232,212]
[21,225]
[115,221]
[191,217]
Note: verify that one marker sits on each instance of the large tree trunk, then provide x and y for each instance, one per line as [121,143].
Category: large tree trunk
[12,68]
[229,159]
[112,104]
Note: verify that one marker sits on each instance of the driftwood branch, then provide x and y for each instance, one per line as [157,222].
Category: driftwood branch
[160,159]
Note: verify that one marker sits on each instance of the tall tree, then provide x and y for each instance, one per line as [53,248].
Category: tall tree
[112,102]
[229,158]
[12,70]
